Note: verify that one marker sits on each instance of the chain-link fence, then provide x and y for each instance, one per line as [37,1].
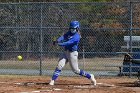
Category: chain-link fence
[28,29]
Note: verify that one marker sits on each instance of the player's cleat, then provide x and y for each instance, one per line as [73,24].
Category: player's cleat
[51,82]
[127,57]
[93,80]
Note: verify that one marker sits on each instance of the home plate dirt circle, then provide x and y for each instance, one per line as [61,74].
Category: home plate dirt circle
[74,86]
[58,87]
[70,87]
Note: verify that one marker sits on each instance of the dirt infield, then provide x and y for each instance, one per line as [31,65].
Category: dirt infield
[39,84]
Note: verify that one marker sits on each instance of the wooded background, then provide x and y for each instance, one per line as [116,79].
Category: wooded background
[30,26]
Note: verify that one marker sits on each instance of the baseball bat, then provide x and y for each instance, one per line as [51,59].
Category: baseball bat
[54,40]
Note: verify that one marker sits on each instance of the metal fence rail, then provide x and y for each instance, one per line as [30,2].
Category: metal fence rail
[28,29]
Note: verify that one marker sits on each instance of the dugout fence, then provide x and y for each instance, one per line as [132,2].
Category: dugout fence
[29,28]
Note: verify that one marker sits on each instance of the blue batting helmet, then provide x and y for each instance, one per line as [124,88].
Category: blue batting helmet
[74,24]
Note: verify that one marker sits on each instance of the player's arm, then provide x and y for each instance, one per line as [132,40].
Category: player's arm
[71,41]
[60,39]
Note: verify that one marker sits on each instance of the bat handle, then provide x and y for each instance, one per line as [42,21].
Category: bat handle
[54,42]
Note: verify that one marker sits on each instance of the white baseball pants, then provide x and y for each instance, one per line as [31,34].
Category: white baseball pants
[72,58]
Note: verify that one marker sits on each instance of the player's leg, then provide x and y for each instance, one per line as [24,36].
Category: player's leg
[61,64]
[74,65]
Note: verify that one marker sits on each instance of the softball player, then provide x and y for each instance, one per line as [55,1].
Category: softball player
[70,42]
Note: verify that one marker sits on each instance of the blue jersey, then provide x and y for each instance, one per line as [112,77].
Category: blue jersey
[69,41]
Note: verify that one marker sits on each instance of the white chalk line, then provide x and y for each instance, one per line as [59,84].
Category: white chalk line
[93,86]
[84,87]
[105,84]
[48,90]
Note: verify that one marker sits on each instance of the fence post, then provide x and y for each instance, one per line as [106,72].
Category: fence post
[130,42]
[41,39]
[83,57]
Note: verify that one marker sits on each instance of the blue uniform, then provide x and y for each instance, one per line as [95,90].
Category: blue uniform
[71,41]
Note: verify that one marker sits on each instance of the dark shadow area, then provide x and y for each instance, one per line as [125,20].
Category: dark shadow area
[129,84]
[46,83]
